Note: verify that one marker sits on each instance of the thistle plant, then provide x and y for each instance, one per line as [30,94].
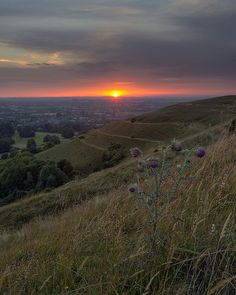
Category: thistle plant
[159,180]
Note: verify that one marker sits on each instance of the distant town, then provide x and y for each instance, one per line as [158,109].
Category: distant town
[52,115]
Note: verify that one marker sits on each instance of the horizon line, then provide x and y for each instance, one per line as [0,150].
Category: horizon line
[121,97]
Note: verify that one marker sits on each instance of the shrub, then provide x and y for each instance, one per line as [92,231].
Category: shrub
[51,176]
[113,155]
[66,167]
[31,146]
[54,139]
[68,132]
[5,145]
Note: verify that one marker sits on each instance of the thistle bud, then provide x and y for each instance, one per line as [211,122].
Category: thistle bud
[200,153]
[176,146]
[135,152]
[133,189]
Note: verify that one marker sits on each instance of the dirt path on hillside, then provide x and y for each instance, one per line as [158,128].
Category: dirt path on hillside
[127,137]
[93,145]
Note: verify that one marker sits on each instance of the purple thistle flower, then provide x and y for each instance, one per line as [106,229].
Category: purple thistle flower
[135,152]
[200,153]
[153,163]
[176,146]
[133,189]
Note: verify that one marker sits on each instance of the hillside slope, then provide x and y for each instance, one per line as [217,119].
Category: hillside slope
[87,154]
[101,247]
[209,111]
[146,131]
[84,157]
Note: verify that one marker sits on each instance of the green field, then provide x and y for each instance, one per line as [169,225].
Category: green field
[21,142]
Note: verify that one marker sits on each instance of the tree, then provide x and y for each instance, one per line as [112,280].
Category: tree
[25,173]
[47,138]
[18,175]
[6,129]
[26,131]
[29,181]
[68,132]
[55,139]
[51,176]
[52,138]
[48,145]
[31,146]
[4,156]
[5,145]
[66,167]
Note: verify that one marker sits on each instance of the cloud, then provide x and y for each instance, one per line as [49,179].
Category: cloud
[13,61]
[149,41]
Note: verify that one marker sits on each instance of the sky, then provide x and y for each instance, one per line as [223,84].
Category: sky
[134,47]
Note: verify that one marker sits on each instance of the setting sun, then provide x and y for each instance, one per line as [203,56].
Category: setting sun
[115,94]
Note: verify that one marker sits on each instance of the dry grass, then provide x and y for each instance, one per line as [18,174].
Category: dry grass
[100,247]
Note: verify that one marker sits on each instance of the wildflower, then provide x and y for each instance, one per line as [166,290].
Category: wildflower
[153,163]
[176,146]
[133,189]
[200,153]
[135,152]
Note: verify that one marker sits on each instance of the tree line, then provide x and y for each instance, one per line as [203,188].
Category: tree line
[7,130]
[24,174]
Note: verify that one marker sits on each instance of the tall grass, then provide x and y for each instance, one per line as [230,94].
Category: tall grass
[101,246]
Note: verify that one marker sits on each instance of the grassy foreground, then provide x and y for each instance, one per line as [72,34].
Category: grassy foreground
[100,247]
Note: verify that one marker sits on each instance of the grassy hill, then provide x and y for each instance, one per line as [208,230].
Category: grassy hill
[206,112]
[146,132]
[100,247]
[90,237]
[86,158]
[178,120]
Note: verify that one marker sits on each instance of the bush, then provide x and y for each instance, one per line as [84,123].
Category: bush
[68,132]
[6,129]
[31,146]
[51,176]
[4,156]
[113,155]
[66,167]
[54,139]
[5,145]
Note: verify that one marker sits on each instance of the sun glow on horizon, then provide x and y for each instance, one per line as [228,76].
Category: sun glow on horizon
[115,94]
